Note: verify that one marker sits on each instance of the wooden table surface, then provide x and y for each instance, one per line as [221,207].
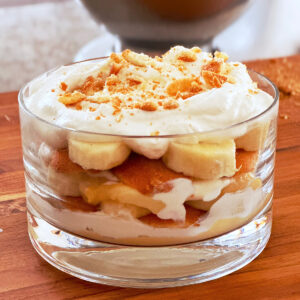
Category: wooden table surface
[275,274]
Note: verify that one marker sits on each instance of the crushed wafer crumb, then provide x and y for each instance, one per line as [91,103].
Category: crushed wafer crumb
[115,69]
[155,133]
[196,50]
[134,81]
[149,106]
[63,86]
[116,58]
[136,59]
[187,56]
[185,85]
[214,80]
[284,116]
[73,98]
[252,92]
[213,66]
[221,55]
[78,106]
[171,104]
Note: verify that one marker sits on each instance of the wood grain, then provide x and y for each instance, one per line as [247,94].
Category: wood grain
[275,274]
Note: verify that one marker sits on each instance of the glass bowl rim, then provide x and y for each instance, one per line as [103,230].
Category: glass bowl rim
[73,130]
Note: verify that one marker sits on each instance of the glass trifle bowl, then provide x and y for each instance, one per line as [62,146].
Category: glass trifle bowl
[149,172]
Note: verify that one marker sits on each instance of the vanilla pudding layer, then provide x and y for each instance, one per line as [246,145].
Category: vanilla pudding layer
[231,211]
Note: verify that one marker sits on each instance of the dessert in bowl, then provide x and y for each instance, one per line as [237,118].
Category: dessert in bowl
[142,151]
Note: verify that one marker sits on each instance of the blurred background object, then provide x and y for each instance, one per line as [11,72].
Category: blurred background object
[155,25]
[36,35]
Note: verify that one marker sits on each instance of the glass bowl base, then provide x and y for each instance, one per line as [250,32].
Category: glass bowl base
[149,267]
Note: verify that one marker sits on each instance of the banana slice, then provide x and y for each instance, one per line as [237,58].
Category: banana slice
[238,183]
[203,160]
[200,204]
[254,139]
[117,209]
[98,156]
[206,192]
[98,193]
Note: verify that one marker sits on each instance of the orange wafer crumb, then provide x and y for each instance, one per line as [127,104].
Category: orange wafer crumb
[116,58]
[221,55]
[73,98]
[188,56]
[78,106]
[252,92]
[246,161]
[149,84]
[155,133]
[149,106]
[115,69]
[171,104]
[213,79]
[63,86]
[213,66]
[61,162]
[144,174]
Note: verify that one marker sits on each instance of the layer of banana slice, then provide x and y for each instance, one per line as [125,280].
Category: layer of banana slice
[254,139]
[201,204]
[240,182]
[96,194]
[203,160]
[98,156]
[237,183]
[117,209]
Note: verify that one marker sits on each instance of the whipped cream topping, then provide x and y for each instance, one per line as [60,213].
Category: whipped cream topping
[200,107]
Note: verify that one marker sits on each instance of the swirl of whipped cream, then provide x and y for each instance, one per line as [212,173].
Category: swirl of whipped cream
[211,94]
